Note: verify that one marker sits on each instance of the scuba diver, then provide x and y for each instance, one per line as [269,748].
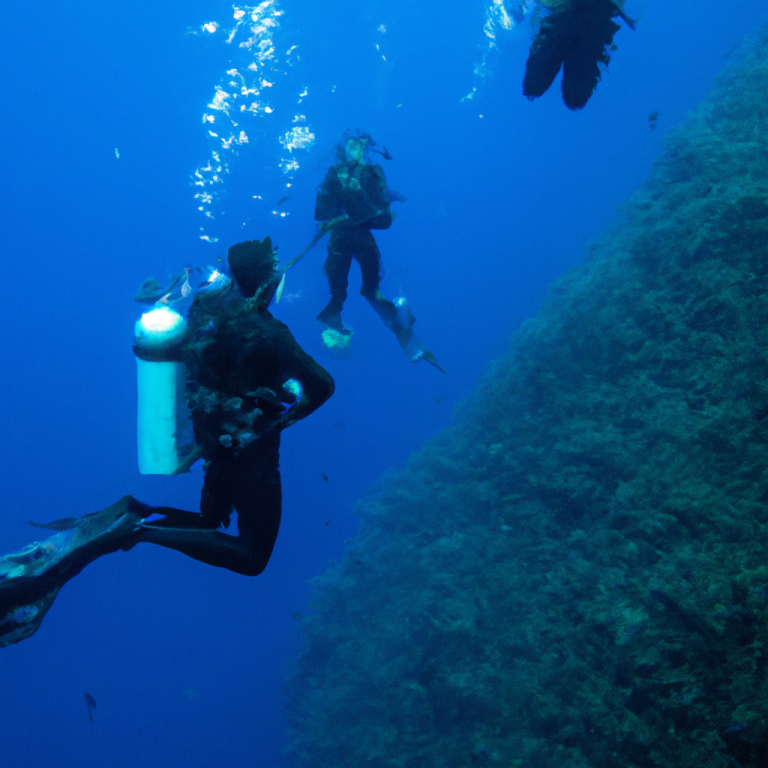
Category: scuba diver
[574,36]
[352,200]
[247,379]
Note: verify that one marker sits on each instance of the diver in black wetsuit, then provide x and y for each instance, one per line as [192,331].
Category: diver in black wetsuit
[239,378]
[352,201]
[244,367]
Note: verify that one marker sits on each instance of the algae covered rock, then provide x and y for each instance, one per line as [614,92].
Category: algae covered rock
[576,573]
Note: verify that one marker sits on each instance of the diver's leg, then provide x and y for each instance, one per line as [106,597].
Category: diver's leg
[336,267]
[216,497]
[252,480]
[258,498]
[369,258]
[210,547]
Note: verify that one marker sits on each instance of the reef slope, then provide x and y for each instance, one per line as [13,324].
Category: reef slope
[576,573]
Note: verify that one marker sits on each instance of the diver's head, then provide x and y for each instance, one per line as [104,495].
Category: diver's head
[355,151]
[355,145]
[252,264]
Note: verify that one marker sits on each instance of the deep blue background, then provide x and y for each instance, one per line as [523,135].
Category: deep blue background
[186,661]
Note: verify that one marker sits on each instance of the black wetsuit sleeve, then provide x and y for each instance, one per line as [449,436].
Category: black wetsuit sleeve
[328,202]
[316,383]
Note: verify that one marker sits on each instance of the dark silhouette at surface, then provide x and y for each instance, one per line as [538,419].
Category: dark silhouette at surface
[90,702]
[575,36]
[248,379]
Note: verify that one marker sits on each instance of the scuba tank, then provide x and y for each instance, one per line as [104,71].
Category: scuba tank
[162,404]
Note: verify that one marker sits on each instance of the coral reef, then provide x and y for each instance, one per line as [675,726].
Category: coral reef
[575,573]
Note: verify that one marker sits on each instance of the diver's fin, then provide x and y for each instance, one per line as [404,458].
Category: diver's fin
[430,358]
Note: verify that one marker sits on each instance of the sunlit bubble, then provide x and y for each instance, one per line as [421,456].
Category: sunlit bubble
[210,27]
[497,19]
[220,101]
[381,28]
[255,66]
[299,137]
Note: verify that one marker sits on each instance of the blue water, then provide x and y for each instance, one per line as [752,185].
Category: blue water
[186,661]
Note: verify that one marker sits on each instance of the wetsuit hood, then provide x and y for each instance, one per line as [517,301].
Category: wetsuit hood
[252,264]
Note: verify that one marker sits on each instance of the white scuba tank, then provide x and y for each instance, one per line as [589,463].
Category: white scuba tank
[161,398]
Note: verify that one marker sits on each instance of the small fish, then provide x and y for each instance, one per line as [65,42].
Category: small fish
[215,277]
[262,393]
[283,199]
[150,291]
[186,288]
[384,152]
[631,23]
[652,118]
[325,477]
[117,153]
[90,702]
[280,287]
[395,197]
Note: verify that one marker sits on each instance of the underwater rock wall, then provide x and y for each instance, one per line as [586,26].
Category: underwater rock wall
[576,573]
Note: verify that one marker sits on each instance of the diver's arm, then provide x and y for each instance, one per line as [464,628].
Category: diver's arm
[316,384]
[375,186]
[327,204]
